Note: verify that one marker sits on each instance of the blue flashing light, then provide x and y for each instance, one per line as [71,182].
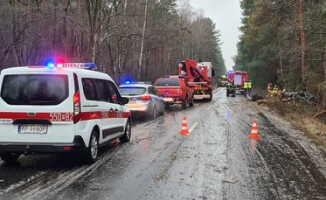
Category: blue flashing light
[89,65]
[127,82]
[50,65]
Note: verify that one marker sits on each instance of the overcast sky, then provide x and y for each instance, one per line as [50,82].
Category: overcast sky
[227,16]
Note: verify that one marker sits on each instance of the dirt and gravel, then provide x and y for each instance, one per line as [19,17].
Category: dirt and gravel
[216,161]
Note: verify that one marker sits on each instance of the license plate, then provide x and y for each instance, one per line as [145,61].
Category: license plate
[132,100]
[167,99]
[32,129]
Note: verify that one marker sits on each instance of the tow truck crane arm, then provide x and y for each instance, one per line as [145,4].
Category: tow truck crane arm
[192,73]
[198,78]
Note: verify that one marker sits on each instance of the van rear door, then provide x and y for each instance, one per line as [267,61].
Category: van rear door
[36,107]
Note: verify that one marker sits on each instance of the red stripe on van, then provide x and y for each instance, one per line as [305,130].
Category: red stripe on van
[62,117]
[54,117]
[102,115]
[90,115]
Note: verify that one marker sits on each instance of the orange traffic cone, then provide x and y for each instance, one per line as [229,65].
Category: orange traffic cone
[184,128]
[254,133]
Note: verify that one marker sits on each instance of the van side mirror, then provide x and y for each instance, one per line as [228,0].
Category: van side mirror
[124,100]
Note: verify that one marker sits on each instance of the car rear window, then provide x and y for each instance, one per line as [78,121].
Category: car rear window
[32,89]
[132,91]
[167,82]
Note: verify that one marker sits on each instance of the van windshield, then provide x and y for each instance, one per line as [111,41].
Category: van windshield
[32,89]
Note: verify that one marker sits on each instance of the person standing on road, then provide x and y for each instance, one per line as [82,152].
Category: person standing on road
[275,90]
[247,87]
[270,89]
[230,90]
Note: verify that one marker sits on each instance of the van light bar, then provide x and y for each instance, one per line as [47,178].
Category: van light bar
[79,65]
[52,65]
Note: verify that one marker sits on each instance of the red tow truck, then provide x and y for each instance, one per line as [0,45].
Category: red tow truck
[198,76]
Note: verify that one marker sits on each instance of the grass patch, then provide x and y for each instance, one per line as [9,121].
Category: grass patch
[285,109]
[301,116]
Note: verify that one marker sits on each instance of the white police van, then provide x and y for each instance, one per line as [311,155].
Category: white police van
[62,108]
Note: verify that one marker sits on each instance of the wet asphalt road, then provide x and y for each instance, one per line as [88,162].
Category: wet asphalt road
[216,161]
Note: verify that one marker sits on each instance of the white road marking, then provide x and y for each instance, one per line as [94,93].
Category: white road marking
[193,127]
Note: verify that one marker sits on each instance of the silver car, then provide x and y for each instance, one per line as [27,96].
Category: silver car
[144,99]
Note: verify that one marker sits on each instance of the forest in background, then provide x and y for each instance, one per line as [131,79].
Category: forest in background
[284,42]
[141,39]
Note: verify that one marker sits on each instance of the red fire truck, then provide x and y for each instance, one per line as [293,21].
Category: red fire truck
[237,79]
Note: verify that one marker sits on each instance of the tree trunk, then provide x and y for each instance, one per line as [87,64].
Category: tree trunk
[280,52]
[93,9]
[168,63]
[280,49]
[14,35]
[324,64]
[142,41]
[302,40]
[125,8]
[295,39]
[94,47]
[323,100]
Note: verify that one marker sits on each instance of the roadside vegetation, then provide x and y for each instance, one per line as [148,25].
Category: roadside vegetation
[139,39]
[284,43]
[301,116]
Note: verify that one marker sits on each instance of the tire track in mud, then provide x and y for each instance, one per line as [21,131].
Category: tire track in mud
[290,173]
[296,175]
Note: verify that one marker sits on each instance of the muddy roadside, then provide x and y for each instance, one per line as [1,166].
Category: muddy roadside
[310,133]
[301,115]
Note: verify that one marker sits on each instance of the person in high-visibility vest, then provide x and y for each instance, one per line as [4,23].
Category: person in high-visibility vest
[270,89]
[247,86]
[275,90]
